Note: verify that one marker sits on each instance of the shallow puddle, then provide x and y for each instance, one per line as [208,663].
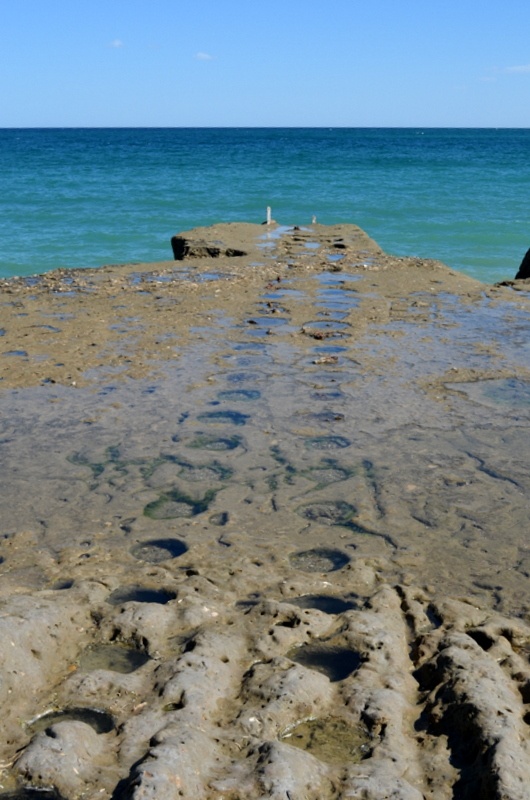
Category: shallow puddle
[269,321]
[174,504]
[326,417]
[338,299]
[325,328]
[239,395]
[100,721]
[140,594]
[158,550]
[215,443]
[325,474]
[327,442]
[332,740]
[331,394]
[112,657]
[321,559]
[243,377]
[152,460]
[230,417]
[324,602]
[337,663]
[509,392]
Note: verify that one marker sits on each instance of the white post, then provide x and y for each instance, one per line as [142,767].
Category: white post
[269,215]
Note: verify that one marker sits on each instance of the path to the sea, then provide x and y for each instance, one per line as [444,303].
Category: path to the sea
[264,525]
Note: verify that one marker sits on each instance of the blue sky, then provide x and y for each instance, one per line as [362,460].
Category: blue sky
[265,63]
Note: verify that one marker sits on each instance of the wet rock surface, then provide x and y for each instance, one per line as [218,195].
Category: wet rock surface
[249,559]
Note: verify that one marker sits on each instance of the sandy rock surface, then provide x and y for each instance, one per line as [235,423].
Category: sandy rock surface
[264,526]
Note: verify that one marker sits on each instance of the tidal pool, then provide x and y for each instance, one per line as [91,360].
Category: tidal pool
[333,740]
[101,721]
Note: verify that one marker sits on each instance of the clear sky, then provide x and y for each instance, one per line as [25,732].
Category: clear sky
[265,63]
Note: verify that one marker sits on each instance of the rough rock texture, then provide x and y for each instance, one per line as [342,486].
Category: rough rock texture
[439,696]
[186,248]
[40,639]
[264,527]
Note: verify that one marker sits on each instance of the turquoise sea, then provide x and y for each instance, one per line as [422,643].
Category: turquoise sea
[87,197]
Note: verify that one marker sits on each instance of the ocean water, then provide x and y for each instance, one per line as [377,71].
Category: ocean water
[87,197]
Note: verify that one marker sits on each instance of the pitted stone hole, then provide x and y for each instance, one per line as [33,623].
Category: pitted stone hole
[268,321]
[328,307]
[320,559]
[61,586]
[325,328]
[220,519]
[158,550]
[433,616]
[140,594]
[327,442]
[224,417]
[524,691]
[327,416]
[292,621]
[249,345]
[328,473]
[239,395]
[337,663]
[481,638]
[428,677]
[246,605]
[112,657]
[243,377]
[178,705]
[324,602]
[526,718]
[331,394]
[100,721]
[333,740]
[174,503]
[215,443]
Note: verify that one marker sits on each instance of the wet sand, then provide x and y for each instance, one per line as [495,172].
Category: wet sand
[290,489]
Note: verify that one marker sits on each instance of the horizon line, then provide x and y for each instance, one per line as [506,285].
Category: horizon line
[263,127]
